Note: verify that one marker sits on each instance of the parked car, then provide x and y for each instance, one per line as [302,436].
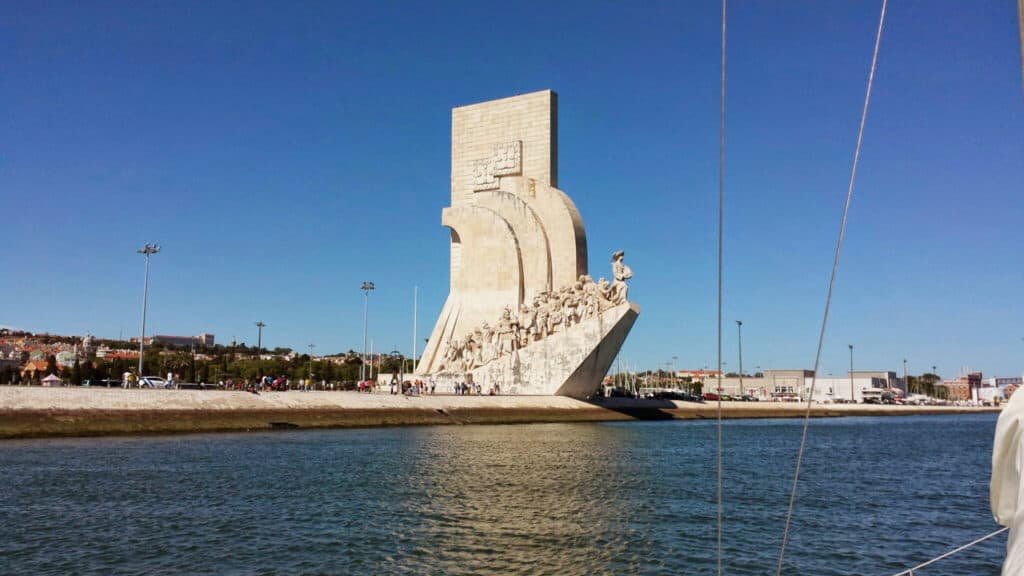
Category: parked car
[748,398]
[710,396]
[153,382]
[620,392]
[890,398]
[104,383]
[670,395]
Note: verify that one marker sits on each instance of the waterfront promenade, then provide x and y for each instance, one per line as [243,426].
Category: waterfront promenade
[41,412]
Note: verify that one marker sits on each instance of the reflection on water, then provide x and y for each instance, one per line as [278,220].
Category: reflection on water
[877,495]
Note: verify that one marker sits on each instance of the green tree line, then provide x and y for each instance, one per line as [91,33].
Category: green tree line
[225,364]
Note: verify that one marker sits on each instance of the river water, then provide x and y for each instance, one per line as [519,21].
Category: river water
[877,495]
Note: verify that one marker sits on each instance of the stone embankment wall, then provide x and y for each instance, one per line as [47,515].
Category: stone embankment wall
[27,412]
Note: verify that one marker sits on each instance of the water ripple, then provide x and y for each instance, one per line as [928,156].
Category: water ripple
[877,495]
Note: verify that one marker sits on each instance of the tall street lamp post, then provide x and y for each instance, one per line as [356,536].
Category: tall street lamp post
[852,399]
[906,380]
[759,374]
[366,288]
[311,346]
[739,331]
[147,251]
[415,305]
[259,350]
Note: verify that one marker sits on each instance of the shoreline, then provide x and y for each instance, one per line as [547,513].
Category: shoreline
[34,412]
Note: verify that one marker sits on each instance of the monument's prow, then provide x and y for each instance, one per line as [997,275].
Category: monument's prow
[522,315]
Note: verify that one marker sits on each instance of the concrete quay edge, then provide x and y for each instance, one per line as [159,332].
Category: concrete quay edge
[28,412]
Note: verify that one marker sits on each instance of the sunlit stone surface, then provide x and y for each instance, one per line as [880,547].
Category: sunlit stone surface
[522,314]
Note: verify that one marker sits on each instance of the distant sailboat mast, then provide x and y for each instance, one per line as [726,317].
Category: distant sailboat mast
[1020,17]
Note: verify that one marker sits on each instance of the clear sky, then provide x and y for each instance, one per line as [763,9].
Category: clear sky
[282,153]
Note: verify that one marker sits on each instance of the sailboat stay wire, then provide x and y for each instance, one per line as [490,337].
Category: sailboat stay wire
[721,220]
[831,285]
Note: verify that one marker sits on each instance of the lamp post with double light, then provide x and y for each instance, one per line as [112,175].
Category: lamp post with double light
[367,287]
[147,251]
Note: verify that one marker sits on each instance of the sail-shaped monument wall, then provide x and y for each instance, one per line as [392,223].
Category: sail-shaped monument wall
[522,315]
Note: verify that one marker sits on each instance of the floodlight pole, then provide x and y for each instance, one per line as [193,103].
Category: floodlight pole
[259,350]
[852,399]
[366,288]
[906,379]
[415,304]
[147,251]
[739,330]
[311,346]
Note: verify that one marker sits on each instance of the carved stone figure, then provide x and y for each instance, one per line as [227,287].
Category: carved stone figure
[621,273]
[474,349]
[540,320]
[590,297]
[527,317]
[505,337]
[488,350]
[555,318]
[571,305]
[604,292]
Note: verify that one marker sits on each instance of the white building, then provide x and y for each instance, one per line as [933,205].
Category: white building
[989,394]
[839,389]
[792,385]
[773,384]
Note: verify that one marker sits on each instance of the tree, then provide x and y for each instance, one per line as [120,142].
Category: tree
[179,363]
[87,371]
[327,370]
[51,365]
[76,373]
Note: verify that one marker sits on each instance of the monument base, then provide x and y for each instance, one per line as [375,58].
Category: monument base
[572,362]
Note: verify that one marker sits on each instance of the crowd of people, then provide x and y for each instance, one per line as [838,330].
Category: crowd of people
[464,389]
[419,387]
[415,387]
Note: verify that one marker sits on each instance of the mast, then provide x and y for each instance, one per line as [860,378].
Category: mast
[1020,17]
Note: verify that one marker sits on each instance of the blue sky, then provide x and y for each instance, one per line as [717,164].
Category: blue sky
[282,153]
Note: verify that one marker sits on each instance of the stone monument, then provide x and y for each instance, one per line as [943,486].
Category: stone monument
[523,316]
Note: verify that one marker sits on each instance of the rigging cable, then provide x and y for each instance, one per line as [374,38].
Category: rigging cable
[721,219]
[910,571]
[831,284]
